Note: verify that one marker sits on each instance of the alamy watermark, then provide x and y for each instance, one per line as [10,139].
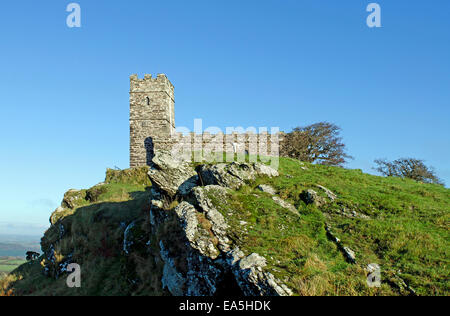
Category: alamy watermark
[74,17]
[374,18]
[74,278]
[238,144]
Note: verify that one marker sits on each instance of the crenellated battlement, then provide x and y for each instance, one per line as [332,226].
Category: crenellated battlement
[160,83]
[230,136]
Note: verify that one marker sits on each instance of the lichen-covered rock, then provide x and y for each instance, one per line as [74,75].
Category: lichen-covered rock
[349,254]
[127,238]
[285,204]
[252,260]
[233,175]
[72,198]
[251,277]
[57,214]
[203,276]
[199,269]
[311,197]
[264,170]
[372,267]
[171,279]
[181,233]
[198,237]
[219,226]
[353,214]
[328,192]
[172,175]
[267,189]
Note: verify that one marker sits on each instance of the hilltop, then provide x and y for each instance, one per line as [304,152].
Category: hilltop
[215,229]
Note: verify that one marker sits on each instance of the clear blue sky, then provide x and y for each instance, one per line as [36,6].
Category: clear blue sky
[64,92]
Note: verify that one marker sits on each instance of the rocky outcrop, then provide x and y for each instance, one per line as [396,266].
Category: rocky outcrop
[198,236]
[348,253]
[251,277]
[57,214]
[172,175]
[72,198]
[171,279]
[267,189]
[311,197]
[328,192]
[183,232]
[127,238]
[352,214]
[218,224]
[285,204]
[204,263]
[270,190]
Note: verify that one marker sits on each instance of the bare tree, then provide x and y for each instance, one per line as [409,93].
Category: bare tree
[319,143]
[408,168]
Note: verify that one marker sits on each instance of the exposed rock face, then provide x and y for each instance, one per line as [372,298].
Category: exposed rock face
[285,204]
[218,224]
[311,197]
[329,194]
[134,238]
[233,175]
[127,238]
[353,214]
[264,170]
[186,236]
[72,197]
[172,279]
[372,267]
[172,175]
[55,215]
[251,278]
[349,254]
[204,262]
[267,189]
[197,236]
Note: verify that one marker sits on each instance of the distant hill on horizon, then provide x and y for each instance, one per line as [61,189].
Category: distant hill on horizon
[18,245]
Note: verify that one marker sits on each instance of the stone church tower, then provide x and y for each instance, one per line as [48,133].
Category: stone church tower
[152,117]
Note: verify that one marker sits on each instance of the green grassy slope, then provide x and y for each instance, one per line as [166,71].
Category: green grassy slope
[8,264]
[94,235]
[400,224]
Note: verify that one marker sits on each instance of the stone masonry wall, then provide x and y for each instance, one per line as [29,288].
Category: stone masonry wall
[152,126]
[263,144]
[152,116]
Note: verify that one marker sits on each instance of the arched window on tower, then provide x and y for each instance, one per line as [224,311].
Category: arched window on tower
[148,100]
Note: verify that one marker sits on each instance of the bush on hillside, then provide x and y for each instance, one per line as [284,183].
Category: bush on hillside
[317,143]
[410,168]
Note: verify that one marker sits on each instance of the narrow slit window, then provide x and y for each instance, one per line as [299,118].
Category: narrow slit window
[148,100]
